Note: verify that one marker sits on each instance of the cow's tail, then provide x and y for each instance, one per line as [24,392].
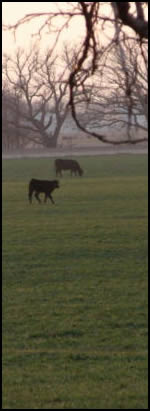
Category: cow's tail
[30,191]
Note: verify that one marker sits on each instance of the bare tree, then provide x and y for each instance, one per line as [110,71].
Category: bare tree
[5,116]
[13,137]
[117,18]
[34,78]
[90,60]
[116,98]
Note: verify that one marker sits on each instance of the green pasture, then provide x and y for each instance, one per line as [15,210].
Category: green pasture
[75,286]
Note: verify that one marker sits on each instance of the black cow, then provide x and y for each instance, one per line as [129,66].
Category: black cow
[72,165]
[42,186]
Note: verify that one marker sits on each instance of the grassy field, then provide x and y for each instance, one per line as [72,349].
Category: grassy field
[75,286]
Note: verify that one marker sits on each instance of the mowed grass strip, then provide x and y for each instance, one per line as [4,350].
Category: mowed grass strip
[75,286]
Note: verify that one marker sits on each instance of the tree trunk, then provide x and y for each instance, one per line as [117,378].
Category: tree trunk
[49,141]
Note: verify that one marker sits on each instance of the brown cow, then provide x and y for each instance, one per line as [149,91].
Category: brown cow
[72,165]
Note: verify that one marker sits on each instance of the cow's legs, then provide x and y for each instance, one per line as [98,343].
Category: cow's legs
[45,198]
[51,198]
[30,198]
[37,196]
[58,173]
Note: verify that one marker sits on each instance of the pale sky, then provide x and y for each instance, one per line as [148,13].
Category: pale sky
[13,11]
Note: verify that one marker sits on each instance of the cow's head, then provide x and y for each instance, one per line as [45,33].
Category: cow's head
[80,171]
